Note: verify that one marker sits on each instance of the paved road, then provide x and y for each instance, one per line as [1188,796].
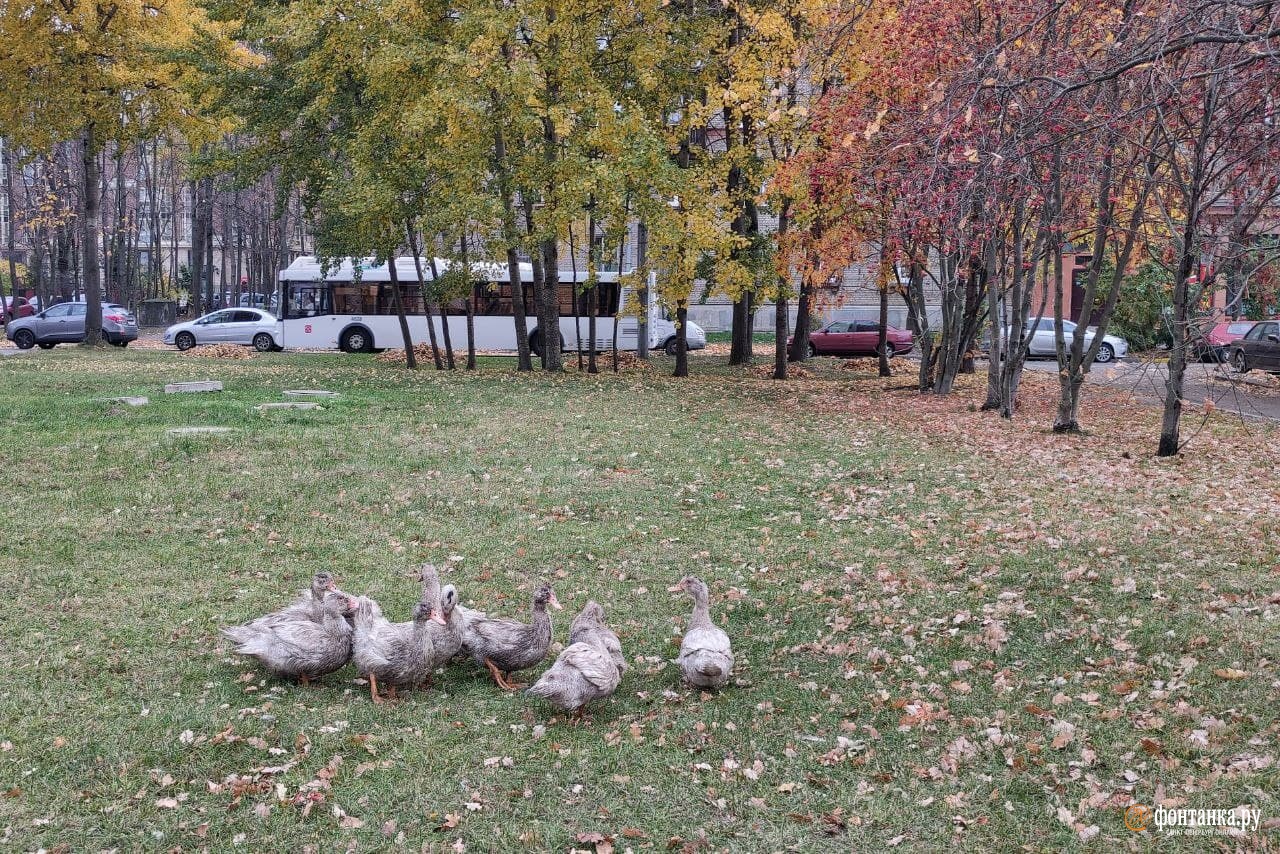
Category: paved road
[1146,380]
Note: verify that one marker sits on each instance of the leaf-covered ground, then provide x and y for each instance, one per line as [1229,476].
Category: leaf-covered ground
[950,629]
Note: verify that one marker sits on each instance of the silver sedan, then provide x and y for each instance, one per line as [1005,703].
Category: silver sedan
[251,327]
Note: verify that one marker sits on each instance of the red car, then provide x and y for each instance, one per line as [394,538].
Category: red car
[24,309]
[858,338]
[1213,344]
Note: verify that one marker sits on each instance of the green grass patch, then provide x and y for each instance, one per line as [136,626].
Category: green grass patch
[940,641]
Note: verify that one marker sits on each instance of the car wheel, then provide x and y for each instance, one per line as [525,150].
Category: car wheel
[263,343]
[356,340]
[25,339]
[122,344]
[1106,353]
[46,345]
[671,346]
[810,351]
[889,351]
[1240,361]
[184,341]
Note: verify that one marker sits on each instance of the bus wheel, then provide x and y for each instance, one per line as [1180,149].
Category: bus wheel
[535,343]
[356,340]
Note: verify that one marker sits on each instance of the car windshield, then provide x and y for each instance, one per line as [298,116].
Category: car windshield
[1239,328]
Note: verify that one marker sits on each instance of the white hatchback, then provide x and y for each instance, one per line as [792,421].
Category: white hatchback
[251,327]
[1044,341]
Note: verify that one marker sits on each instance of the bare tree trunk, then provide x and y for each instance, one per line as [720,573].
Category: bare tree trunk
[577,297]
[740,333]
[91,238]
[642,326]
[524,361]
[780,303]
[11,234]
[410,358]
[208,242]
[950,344]
[918,319]
[195,258]
[471,307]
[682,340]
[549,314]
[614,309]
[995,354]
[411,236]
[800,338]
[1170,442]
[882,339]
[593,294]
[593,271]
[502,174]
[444,319]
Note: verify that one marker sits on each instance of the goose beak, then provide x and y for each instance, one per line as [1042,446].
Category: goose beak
[555,603]
[437,617]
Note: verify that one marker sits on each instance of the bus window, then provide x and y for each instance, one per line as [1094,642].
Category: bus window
[347,299]
[565,294]
[307,300]
[488,300]
[607,299]
[411,297]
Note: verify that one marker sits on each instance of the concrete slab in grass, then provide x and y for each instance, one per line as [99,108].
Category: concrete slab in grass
[263,407]
[308,392]
[202,385]
[197,431]
[128,401]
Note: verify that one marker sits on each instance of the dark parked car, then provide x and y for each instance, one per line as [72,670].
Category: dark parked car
[1215,342]
[64,324]
[858,338]
[1259,348]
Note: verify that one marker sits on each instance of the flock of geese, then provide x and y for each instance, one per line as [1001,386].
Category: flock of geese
[325,628]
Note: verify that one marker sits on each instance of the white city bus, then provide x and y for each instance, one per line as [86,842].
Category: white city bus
[336,309]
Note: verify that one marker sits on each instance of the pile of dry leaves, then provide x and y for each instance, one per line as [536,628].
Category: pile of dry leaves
[220,351]
[396,356]
[766,371]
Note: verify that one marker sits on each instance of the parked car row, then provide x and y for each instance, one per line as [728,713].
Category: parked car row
[1258,348]
[1213,344]
[64,323]
[862,338]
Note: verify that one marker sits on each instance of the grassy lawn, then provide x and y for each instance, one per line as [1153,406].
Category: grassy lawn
[949,630]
